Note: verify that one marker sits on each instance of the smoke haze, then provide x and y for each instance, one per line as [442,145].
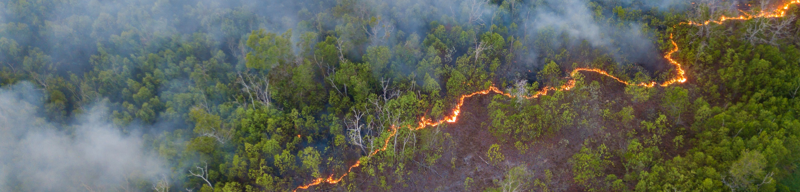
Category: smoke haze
[152,58]
[36,155]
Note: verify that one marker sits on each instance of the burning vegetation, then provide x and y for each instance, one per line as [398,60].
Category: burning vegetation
[373,95]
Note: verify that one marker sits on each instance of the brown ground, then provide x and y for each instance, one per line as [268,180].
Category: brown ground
[551,152]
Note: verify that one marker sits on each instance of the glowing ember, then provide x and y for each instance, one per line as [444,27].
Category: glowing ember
[679,78]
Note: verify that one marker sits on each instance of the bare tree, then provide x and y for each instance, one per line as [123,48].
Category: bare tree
[162,185]
[515,179]
[705,10]
[755,29]
[379,30]
[780,29]
[365,123]
[13,70]
[388,93]
[520,91]
[735,185]
[748,172]
[211,126]
[354,126]
[479,48]
[340,47]
[88,188]
[203,174]
[327,72]
[255,86]
[760,30]
[386,117]
[448,57]
[411,138]
[766,180]
[476,11]
[221,134]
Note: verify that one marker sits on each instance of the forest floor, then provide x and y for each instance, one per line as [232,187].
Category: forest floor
[465,154]
[472,140]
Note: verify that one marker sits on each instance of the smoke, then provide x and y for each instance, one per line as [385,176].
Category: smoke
[70,31]
[579,20]
[36,155]
[3,10]
[572,17]
[648,4]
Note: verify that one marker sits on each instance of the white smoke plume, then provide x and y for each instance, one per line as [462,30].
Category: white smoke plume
[91,155]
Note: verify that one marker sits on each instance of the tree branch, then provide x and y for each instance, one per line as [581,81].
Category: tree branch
[203,174]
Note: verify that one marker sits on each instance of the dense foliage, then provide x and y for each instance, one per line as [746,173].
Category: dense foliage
[267,96]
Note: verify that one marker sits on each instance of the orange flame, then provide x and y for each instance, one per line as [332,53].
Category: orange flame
[679,78]
[424,122]
[777,13]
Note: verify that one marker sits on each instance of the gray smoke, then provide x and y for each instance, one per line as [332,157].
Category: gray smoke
[572,17]
[626,42]
[659,4]
[92,154]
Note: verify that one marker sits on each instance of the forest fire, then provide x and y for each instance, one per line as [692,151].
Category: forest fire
[781,12]
[679,78]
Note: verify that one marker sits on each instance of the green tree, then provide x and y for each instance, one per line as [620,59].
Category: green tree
[636,158]
[639,93]
[285,162]
[588,166]
[515,179]
[495,155]
[269,49]
[626,115]
[676,99]
[431,86]
[456,84]
[748,172]
[378,58]
[311,161]
[550,74]
[209,125]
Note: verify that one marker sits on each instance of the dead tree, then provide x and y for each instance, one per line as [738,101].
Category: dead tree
[520,91]
[705,10]
[354,127]
[450,52]
[479,48]
[203,174]
[760,30]
[385,116]
[755,30]
[780,29]
[327,72]
[212,127]
[220,134]
[257,89]
[476,11]
[364,124]
[162,185]
[378,30]
[736,184]
[388,93]
[340,47]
